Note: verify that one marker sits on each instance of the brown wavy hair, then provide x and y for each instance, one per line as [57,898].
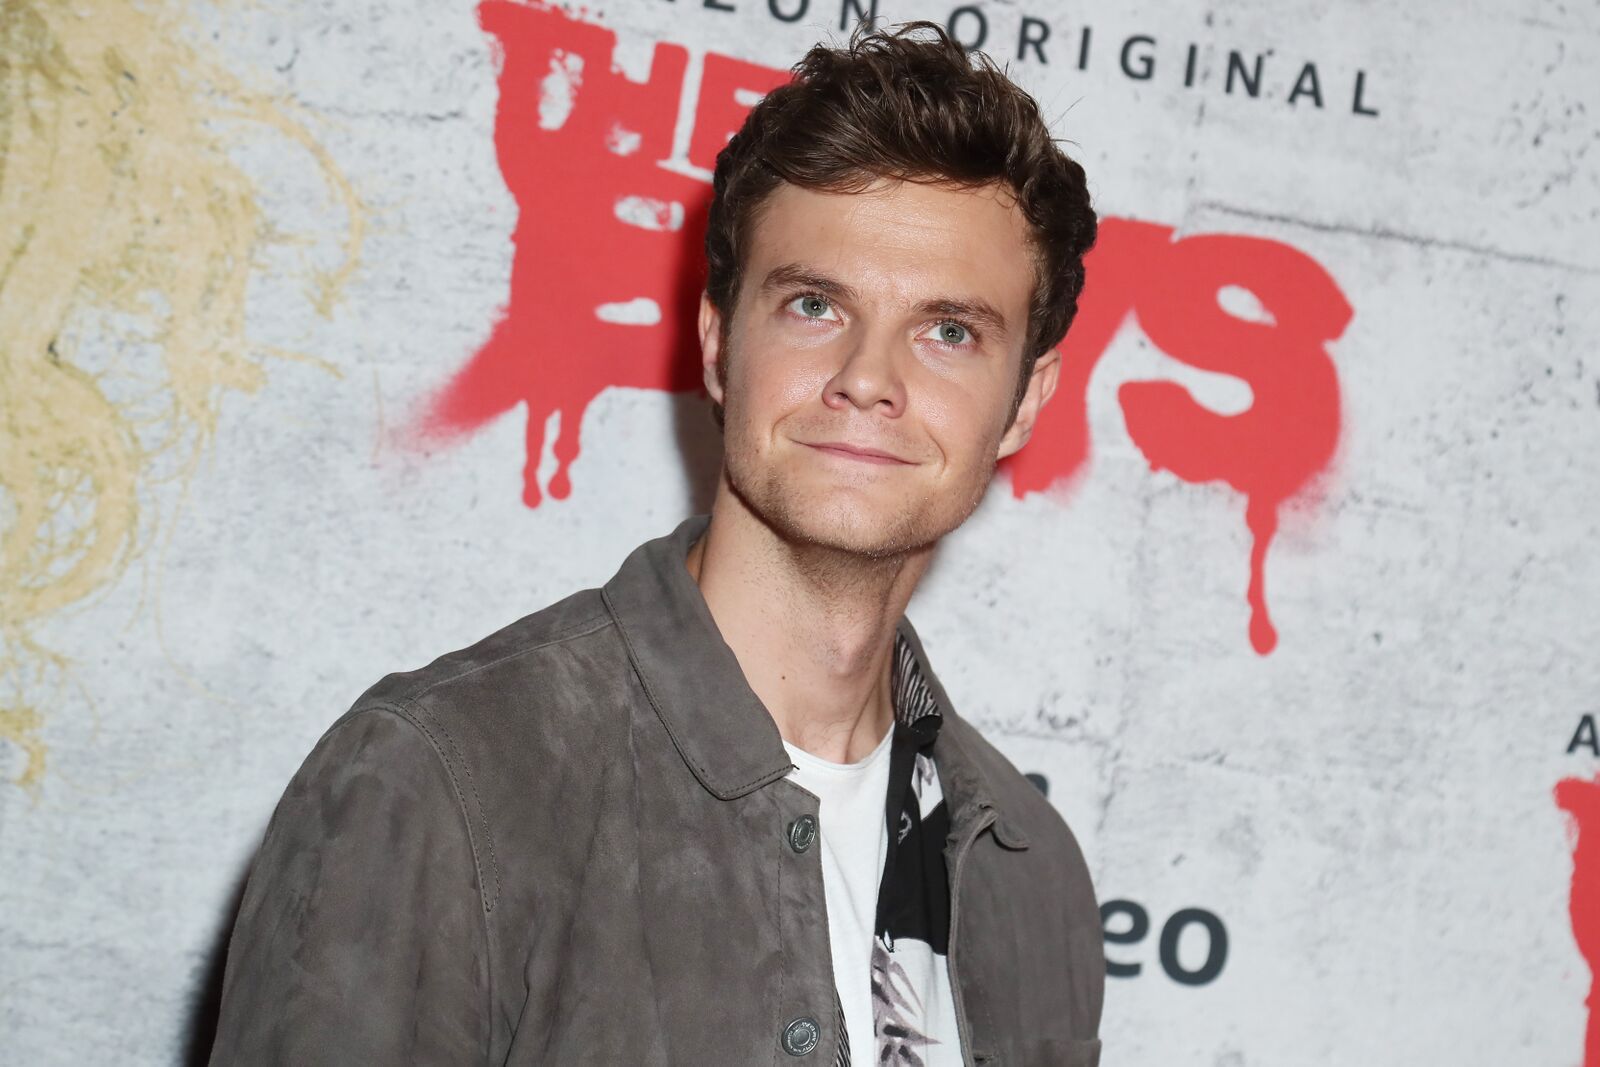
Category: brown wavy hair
[895,104]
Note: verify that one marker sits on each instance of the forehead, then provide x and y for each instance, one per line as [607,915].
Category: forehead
[902,240]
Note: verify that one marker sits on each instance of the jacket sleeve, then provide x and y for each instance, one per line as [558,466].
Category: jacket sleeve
[361,937]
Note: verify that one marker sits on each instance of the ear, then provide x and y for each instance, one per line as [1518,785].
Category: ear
[1041,387]
[710,346]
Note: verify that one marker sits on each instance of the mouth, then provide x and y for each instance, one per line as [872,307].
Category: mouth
[857,453]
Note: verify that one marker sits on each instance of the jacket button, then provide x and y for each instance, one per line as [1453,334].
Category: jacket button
[801,1036]
[802,832]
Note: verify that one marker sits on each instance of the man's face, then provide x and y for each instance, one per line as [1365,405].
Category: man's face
[889,321]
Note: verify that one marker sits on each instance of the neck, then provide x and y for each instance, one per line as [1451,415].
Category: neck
[812,626]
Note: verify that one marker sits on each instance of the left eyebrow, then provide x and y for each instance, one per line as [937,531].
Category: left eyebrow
[980,313]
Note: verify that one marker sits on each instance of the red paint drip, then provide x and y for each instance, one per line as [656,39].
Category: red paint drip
[608,268]
[603,232]
[1170,288]
[1581,800]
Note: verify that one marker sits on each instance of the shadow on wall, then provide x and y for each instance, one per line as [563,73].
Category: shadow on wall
[700,445]
[200,1029]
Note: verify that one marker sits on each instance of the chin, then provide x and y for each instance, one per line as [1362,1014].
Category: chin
[870,518]
[860,531]
[875,524]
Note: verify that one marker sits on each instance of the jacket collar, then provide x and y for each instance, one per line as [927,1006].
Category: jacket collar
[720,727]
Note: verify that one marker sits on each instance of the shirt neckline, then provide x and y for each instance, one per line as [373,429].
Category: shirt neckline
[812,762]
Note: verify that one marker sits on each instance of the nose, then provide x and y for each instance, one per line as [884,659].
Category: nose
[869,378]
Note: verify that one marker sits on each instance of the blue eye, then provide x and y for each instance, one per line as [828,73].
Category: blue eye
[812,306]
[952,333]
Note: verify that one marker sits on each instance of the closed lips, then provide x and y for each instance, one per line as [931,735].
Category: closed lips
[856,452]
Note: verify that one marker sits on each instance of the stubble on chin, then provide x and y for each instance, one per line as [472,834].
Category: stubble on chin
[836,527]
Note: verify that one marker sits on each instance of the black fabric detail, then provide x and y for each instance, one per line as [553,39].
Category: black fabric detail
[843,1059]
[914,894]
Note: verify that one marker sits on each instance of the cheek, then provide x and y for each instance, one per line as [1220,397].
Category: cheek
[777,379]
[955,420]
[798,382]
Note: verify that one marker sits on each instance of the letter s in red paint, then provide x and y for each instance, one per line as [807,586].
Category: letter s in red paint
[1271,450]
[1171,288]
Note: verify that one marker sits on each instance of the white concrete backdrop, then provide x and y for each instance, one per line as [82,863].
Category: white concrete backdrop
[1367,809]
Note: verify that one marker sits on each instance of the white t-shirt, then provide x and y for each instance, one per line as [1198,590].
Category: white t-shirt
[854,840]
[914,997]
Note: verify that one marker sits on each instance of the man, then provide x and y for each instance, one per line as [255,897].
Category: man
[720,811]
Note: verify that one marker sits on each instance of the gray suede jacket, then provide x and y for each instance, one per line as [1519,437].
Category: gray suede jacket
[568,844]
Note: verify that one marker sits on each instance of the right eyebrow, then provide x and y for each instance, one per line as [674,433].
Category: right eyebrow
[798,276]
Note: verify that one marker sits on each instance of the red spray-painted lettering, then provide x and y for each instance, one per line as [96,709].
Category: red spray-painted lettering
[608,267]
[1267,452]
[1581,800]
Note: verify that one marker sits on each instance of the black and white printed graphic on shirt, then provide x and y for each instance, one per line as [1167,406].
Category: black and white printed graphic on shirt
[913,1010]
